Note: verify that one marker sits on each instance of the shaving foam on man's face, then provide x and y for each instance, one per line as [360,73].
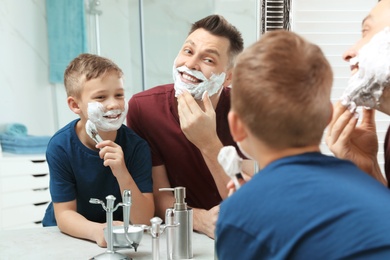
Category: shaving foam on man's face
[106,121]
[211,85]
[365,87]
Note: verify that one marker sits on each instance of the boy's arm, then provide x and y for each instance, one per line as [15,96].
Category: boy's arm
[142,204]
[142,207]
[76,225]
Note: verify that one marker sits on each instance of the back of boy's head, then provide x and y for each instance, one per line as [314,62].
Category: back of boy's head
[84,68]
[281,90]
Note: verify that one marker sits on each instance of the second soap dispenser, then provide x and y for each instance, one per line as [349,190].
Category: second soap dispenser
[182,235]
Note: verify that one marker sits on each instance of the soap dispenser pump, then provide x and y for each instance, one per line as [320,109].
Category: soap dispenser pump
[183,216]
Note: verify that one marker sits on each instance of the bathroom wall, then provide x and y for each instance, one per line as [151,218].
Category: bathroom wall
[28,97]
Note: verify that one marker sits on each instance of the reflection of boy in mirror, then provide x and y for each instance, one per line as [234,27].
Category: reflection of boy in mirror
[80,169]
[360,143]
[185,123]
[302,204]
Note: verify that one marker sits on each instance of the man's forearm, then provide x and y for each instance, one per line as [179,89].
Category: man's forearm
[210,155]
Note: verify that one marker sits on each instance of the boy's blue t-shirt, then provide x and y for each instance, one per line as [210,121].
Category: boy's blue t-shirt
[308,206]
[77,172]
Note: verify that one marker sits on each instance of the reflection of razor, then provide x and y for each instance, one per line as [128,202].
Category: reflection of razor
[231,163]
[92,131]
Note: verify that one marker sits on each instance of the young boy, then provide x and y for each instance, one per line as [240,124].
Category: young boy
[81,169]
[302,204]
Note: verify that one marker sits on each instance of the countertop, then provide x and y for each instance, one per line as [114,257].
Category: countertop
[51,243]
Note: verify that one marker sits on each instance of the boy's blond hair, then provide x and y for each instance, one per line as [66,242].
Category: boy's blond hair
[86,67]
[281,90]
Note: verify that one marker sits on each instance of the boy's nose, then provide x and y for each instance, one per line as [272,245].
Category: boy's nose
[113,104]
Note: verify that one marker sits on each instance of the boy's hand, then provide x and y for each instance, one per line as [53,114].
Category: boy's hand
[112,154]
[232,188]
[99,233]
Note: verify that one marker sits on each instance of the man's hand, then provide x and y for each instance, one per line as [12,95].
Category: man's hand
[205,220]
[197,125]
[358,144]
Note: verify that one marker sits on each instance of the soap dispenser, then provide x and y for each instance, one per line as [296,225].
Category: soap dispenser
[183,216]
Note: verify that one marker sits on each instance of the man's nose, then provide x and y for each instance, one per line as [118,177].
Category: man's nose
[192,63]
[353,50]
[349,54]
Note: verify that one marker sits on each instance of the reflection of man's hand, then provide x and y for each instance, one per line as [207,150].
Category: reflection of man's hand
[205,220]
[197,125]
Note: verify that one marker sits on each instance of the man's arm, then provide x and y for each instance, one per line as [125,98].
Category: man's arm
[204,220]
[200,128]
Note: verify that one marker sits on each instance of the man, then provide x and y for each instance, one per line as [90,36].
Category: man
[360,143]
[185,123]
[301,204]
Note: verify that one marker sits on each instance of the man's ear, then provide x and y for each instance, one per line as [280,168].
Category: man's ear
[228,79]
[73,105]
[237,127]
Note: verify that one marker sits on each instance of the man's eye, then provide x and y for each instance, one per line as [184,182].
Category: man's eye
[365,31]
[187,51]
[208,60]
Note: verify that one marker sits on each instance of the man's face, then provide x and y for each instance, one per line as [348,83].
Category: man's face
[203,52]
[369,68]
[376,21]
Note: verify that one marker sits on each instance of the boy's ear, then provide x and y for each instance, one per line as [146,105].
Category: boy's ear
[73,105]
[237,127]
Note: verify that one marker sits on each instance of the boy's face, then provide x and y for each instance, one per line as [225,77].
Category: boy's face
[103,98]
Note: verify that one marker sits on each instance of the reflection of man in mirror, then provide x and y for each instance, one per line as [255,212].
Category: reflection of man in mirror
[185,123]
[371,75]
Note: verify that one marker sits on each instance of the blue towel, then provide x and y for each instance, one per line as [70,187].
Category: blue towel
[15,129]
[24,144]
[66,34]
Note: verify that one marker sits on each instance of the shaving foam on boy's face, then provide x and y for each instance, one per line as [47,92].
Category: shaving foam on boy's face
[106,121]
[365,87]
[211,85]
